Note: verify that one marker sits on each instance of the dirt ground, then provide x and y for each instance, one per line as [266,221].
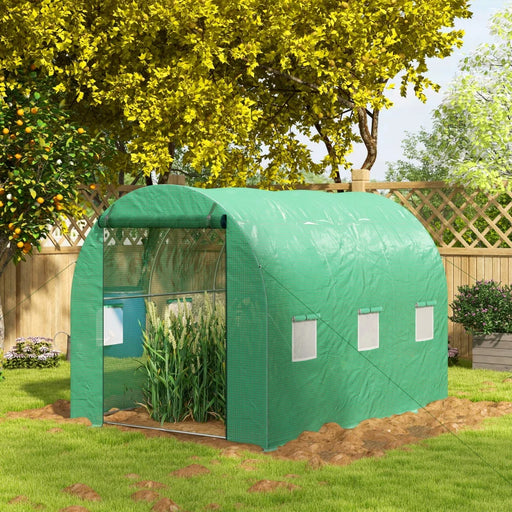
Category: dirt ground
[330,445]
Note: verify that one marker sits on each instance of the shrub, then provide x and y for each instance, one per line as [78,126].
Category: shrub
[185,363]
[453,355]
[32,352]
[483,308]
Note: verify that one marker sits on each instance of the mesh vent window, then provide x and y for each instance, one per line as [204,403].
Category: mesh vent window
[112,325]
[303,340]
[424,323]
[368,331]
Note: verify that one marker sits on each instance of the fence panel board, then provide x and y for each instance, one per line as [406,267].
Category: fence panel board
[473,234]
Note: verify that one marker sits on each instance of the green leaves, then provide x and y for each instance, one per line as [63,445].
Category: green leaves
[184,362]
[471,139]
[42,163]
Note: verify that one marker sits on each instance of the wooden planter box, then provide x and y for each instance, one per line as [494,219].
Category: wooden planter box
[493,351]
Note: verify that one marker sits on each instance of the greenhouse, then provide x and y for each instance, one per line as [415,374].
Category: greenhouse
[334,306]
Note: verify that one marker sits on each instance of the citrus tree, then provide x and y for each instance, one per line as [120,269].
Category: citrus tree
[44,157]
[238,86]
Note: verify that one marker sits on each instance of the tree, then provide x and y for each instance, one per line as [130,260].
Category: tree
[44,157]
[430,155]
[236,85]
[471,139]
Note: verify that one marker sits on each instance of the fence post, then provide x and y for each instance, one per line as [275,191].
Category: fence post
[176,179]
[360,177]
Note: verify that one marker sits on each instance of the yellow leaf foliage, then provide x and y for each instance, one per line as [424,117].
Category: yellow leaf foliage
[237,84]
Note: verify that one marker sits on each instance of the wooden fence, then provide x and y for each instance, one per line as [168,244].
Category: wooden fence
[472,230]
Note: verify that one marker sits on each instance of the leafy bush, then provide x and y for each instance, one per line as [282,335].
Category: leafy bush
[484,307]
[453,355]
[32,352]
[185,363]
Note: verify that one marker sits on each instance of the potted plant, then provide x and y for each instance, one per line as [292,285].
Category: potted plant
[485,311]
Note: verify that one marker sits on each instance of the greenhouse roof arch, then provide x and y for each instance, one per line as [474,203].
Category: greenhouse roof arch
[336,306]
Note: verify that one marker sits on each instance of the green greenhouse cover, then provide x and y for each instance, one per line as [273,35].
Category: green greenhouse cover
[336,306]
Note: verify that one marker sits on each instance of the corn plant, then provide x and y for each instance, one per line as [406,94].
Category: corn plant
[185,362]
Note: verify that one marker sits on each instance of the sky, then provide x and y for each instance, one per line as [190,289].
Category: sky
[409,114]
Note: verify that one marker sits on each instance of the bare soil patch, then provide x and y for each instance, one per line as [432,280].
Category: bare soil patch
[332,444]
[189,471]
[165,505]
[83,492]
[145,495]
[271,485]
[149,484]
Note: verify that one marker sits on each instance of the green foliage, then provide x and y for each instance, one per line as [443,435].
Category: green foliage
[483,308]
[44,156]
[32,352]
[471,139]
[185,363]
[236,85]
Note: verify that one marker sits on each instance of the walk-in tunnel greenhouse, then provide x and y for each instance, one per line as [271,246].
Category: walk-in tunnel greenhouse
[335,305]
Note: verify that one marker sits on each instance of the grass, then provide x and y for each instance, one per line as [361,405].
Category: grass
[478,385]
[470,472]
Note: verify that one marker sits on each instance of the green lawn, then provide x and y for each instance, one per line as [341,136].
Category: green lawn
[472,471]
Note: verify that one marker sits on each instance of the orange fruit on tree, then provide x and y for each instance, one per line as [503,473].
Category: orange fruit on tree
[17,231]
[80,130]
[2,191]
[20,244]
[12,136]
[92,186]
[34,110]
[1,204]
[19,122]
[40,200]
[28,129]
[11,226]
[17,156]
[20,112]
[5,131]
[59,207]
[59,197]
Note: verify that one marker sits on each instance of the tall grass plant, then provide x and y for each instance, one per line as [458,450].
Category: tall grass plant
[185,362]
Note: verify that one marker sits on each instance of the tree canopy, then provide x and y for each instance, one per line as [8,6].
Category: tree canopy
[237,86]
[44,158]
[471,138]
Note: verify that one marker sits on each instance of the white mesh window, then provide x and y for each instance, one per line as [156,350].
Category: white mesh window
[303,339]
[368,330]
[112,325]
[424,323]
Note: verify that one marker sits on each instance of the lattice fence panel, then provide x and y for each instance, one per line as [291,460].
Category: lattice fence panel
[456,217]
[71,233]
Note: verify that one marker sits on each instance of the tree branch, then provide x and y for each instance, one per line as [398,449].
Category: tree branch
[369,135]
[330,149]
[344,101]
